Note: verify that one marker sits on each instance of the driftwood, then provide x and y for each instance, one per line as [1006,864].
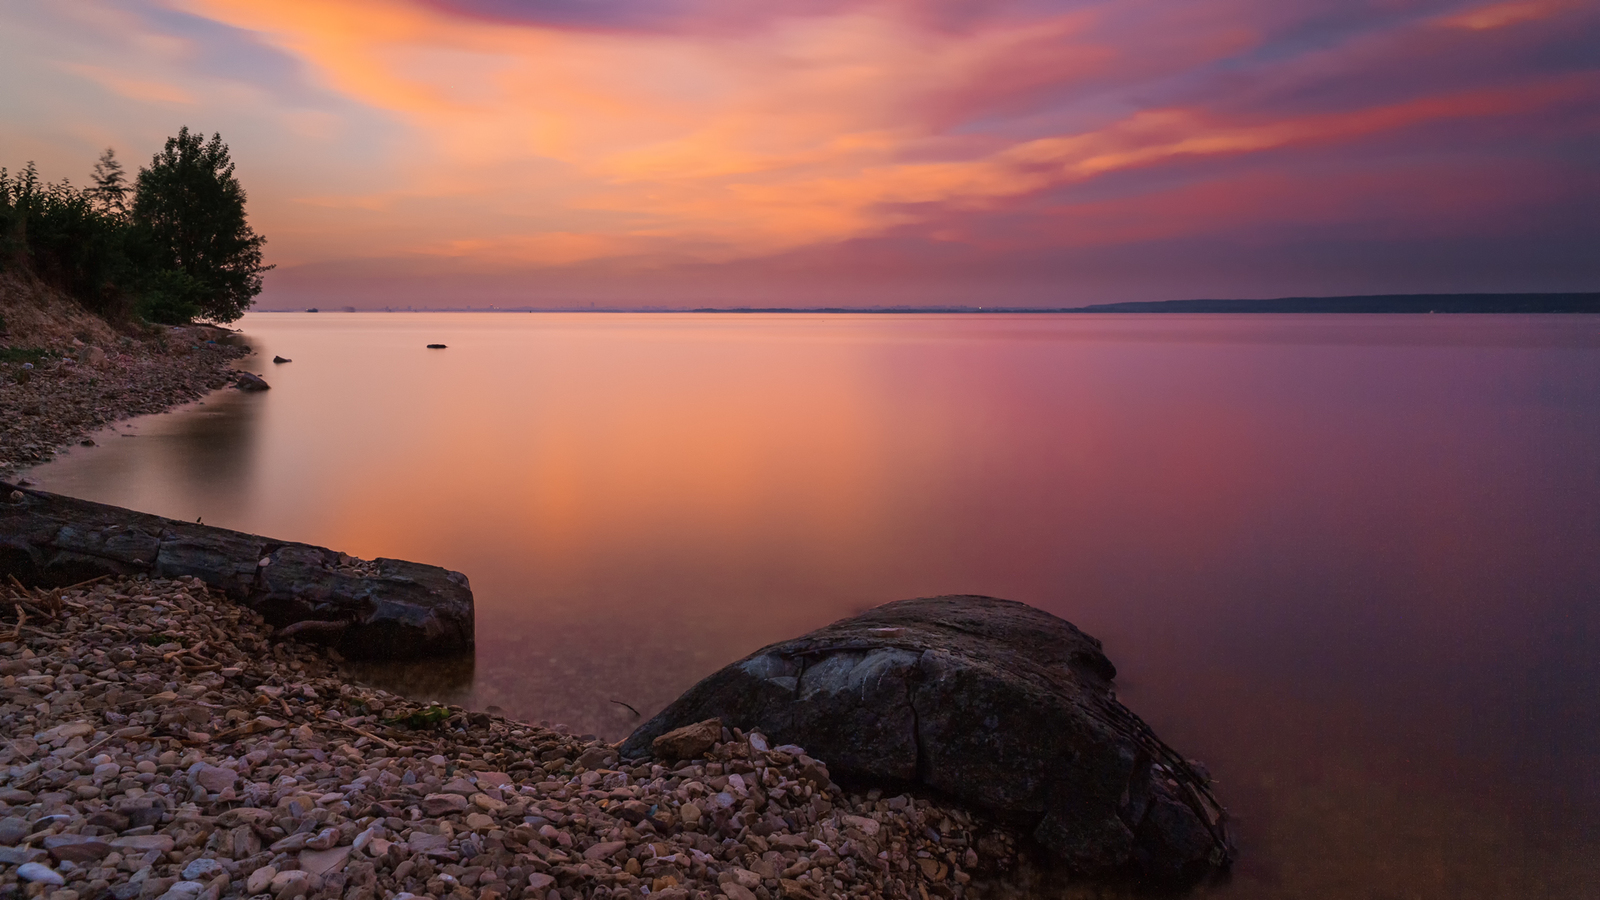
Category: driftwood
[378,609]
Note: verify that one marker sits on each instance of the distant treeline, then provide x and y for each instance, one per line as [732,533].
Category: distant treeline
[1368,303]
[171,246]
[1373,303]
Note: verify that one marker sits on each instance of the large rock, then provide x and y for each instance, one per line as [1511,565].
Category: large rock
[383,608]
[995,703]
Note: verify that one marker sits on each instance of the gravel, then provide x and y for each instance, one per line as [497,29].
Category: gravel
[163,742]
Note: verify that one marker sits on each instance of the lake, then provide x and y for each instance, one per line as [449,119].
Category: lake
[1350,562]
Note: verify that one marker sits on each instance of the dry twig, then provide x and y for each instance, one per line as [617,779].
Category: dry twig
[366,734]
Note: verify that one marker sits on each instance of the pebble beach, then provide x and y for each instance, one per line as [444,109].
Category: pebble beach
[163,742]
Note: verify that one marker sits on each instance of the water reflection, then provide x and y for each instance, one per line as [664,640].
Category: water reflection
[185,464]
[1350,562]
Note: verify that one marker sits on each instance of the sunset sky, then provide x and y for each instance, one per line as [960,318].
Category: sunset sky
[712,152]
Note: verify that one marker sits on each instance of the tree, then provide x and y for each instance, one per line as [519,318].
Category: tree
[188,210]
[110,185]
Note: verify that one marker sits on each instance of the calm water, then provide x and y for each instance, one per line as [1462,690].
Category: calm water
[1353,563]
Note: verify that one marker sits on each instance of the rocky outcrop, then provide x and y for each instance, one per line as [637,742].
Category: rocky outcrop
[988,701]
[382,608]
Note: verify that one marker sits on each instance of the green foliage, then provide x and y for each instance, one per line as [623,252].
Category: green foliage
[169,297]
[21,355]
[188,210]
[181,249]
[58,232]
[110,185]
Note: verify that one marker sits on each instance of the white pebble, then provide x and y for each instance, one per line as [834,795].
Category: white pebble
[40,873]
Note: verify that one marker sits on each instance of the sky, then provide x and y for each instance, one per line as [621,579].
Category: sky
[630,153]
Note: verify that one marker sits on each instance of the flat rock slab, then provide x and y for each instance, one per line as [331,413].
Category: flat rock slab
[997,704]
[377,609]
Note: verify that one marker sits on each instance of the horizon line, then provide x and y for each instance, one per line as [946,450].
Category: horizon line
[1479,302]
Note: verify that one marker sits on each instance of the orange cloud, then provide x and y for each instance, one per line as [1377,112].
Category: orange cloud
[833,209]
[141,89]
[1499,15]
[546,248]
[648,136]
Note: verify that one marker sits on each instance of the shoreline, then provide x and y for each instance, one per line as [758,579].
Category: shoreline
[163,743]
[53,400]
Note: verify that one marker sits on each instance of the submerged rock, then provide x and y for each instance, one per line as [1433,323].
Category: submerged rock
[992,702]
[250,382]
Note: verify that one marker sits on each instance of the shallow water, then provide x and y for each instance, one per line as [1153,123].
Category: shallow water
[1352,563]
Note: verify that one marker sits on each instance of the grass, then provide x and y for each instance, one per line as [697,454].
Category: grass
[22,354]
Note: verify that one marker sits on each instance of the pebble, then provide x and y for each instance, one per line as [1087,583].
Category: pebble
[40,874]
[260,879]
[215,778]
[201,869]
[184,890]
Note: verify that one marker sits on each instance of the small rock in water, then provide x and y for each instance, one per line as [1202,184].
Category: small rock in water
[250,382]
[280,359]
[435,346]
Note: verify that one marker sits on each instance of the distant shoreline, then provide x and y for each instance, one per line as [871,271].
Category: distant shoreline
[1368,304]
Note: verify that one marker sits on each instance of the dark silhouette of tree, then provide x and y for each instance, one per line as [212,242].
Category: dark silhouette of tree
[56,231]
[188,212]
[111,188]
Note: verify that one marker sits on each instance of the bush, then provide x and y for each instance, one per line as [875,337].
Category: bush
[169,297]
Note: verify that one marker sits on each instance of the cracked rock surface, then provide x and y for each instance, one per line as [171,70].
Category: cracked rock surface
[383,608]
[991,702]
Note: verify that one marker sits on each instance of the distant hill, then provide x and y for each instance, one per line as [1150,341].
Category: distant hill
[1369,303]
[1373,303]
